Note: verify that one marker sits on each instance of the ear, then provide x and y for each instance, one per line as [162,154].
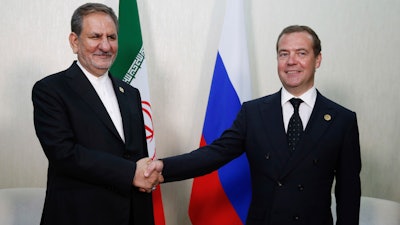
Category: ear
[73,42]
[318,61]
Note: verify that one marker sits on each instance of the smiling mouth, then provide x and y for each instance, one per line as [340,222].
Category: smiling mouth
[103,54]
[293,72]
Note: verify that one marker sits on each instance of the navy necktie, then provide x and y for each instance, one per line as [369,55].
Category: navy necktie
[295,128]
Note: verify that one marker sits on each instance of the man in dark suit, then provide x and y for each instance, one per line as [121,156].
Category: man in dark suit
[292,171]
[91,128]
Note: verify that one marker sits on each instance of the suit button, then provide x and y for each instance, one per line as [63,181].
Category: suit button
[300,187]
[296,218]
[279,184]
[127,155]
[315,162]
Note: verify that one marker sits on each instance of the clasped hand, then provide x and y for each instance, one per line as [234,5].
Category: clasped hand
[148,174]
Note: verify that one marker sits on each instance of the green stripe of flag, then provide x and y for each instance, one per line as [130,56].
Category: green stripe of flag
[128,67]
[129,41]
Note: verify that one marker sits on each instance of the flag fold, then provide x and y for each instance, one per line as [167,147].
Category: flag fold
[130,66]
[223,197]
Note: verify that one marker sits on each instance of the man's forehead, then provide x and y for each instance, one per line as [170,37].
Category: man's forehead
[91,23]
[296,40]
[98,17]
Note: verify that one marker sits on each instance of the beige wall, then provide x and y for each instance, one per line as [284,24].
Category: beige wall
[360,69]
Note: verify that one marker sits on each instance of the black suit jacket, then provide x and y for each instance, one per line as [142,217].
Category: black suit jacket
[287,189]
[90,168]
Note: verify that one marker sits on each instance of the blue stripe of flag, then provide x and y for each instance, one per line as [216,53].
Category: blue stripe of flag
[223,103]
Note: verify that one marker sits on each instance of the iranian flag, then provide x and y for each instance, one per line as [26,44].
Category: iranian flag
[130,66]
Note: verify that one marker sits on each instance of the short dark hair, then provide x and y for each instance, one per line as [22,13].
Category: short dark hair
[86,9]
[298,28]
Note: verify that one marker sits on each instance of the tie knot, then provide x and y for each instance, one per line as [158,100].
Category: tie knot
[296,103]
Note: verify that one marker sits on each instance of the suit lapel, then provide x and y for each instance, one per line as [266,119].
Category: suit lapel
[80,84]
[124,107]
[321,118]
[130,106]
[271,111]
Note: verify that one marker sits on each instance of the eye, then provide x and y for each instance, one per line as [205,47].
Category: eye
[283,54]
[95,36]
[302,53]
[112,37]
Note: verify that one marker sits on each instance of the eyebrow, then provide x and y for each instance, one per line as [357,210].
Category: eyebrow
[299,49]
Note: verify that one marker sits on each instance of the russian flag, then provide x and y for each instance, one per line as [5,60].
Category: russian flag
[223,197]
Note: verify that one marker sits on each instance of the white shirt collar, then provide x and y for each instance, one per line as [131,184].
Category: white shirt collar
[104,89]
[309,97]
[92,78]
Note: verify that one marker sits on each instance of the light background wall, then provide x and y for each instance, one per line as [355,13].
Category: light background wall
[360,69]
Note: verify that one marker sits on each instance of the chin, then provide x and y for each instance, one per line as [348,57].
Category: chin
[103,66]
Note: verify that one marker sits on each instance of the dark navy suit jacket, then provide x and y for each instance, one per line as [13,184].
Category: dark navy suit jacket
[287,189]
[90,168]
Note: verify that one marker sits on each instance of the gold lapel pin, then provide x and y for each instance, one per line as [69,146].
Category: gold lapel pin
[327,117]
[121,89]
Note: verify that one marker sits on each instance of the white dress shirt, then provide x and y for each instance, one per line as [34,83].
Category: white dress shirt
[104,88]
[305,108]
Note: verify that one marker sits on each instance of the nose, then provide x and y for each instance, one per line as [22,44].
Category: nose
[105,45]
[292,59]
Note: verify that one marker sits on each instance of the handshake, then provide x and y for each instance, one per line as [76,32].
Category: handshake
[148,174]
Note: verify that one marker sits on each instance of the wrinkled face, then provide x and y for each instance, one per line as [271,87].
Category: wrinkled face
[97,45]
[297,62]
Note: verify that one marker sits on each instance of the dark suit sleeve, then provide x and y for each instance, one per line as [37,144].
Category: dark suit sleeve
[210,157]
[348,185]
[67,156]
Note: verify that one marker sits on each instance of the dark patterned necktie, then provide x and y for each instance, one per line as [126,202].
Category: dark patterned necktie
[295,128]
